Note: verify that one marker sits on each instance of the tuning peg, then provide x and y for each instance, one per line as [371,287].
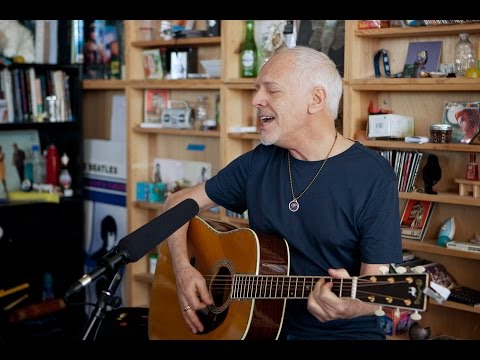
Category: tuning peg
[379,312]
[415,316]
[383,269]
[400,269]
[418,269]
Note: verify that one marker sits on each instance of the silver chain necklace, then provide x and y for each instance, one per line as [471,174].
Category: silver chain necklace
[294,205]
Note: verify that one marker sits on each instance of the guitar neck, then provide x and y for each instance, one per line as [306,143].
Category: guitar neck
[286,287]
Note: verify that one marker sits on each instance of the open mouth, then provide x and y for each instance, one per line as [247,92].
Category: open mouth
[266,119]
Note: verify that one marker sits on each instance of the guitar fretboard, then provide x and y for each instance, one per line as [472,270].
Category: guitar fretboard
[286,287]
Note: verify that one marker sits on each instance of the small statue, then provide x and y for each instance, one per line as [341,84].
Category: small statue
[432,173]
[422,58]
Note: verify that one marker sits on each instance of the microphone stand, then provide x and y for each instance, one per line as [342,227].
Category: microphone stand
[107,297]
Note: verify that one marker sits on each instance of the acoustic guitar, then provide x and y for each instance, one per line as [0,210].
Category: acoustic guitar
[247,274]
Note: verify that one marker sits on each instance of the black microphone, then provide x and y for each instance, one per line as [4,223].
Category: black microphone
[138,243]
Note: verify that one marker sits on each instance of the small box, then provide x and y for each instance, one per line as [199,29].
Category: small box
[143,190]
[390,126]
[393,325]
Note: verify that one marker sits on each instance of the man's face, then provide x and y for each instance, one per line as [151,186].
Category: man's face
[111,237]
[280,101]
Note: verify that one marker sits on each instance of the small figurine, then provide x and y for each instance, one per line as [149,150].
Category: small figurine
[65,178]
[432,173]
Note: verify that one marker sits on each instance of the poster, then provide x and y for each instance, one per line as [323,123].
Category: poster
[105,207]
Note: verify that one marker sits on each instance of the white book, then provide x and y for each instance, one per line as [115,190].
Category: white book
[464,246]
[6,78]
[39,41]
[33,93]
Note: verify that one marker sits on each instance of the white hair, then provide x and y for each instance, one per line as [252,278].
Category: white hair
[316,68]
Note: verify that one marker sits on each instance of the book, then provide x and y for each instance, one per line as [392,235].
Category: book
[415,219]
[155,102]
[425,55]
[463,246]
[33,196]
[152,64]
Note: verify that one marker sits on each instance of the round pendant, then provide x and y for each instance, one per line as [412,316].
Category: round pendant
[293,205]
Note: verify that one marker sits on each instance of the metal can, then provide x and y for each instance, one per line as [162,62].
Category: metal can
[440,133]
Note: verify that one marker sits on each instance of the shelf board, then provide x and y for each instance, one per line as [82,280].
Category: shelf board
[414,84]
[417,31]
[441,197]
[144,277]
[185,84]
[104,84]
[64,125]
[241,83]
[431,248]
[244,136]
[148,205]
[456,306]
[193,41]
[159,207]
[177,132]
[397,144]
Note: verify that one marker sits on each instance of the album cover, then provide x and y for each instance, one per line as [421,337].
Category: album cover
[464,117]
[415,219]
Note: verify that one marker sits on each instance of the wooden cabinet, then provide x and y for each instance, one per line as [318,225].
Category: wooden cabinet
[146,144]
[423,99]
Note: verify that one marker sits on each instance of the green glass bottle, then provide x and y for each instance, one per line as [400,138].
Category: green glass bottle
[248,56]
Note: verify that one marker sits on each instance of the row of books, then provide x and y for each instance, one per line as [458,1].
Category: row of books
[26,95]
[405,164]
[98,44]
[447,22]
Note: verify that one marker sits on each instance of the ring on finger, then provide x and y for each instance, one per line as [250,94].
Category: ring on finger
[186,308]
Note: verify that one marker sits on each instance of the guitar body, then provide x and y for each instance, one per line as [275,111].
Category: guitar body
[219,251]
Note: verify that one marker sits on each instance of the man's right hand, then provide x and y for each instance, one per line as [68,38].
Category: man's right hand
[192,294]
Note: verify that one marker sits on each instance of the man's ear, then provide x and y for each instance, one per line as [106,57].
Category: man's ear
[318,100]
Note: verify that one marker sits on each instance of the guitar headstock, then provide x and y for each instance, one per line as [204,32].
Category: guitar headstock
[403,291]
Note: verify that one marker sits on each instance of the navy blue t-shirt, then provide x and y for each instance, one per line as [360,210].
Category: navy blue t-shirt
[349,215]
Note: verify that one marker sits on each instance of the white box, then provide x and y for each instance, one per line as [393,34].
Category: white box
[390,126]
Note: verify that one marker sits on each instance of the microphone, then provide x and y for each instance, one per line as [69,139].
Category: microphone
[138,243]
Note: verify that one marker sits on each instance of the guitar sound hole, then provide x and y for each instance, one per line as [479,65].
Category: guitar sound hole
[220,288]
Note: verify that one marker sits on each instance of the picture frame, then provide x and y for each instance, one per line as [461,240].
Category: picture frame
[416,218]
[13,173]
[327,36]
[155,103]
[432,50]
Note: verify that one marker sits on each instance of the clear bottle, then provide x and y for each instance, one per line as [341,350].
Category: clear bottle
[200,112]
[38,166]
[464,55]
[248,56]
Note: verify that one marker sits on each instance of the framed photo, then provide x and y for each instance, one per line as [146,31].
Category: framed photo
[327,36]
[415,219]
[464,117]
[185,172]
[155,102]
[15,150]
[425,55]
